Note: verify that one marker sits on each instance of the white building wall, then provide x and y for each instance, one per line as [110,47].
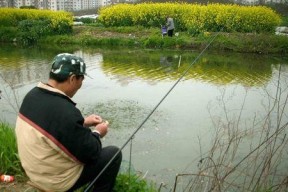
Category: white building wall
[53,5]
[64,4]
[105,2]
[61,5]
[85,4]
[77,4]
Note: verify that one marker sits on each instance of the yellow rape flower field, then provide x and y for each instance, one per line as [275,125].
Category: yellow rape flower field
[139,25]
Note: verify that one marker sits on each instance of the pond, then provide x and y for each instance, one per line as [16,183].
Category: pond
[224,98]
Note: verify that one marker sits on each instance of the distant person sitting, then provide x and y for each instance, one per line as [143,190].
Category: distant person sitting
[170,26]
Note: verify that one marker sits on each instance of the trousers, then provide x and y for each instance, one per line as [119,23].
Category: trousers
[106,181]
[170,32]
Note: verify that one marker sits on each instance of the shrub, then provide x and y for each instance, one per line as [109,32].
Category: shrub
[153,41]
[31,30]
[34,24]
[7,34]
[61,28]
[58,20]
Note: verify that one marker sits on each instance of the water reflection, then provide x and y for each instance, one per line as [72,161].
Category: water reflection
[20,66]
[218,69]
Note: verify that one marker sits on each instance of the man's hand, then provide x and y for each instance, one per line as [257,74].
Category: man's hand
[92,120]
[102,128]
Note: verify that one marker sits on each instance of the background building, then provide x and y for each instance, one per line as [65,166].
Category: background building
[68,5]
[77,5]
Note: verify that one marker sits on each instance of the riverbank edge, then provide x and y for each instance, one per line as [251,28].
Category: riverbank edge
[151,38]
[135,37]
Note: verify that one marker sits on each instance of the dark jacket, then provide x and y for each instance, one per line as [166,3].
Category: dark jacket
[53,145]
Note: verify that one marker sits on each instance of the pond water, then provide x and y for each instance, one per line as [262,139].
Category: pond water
[222,93]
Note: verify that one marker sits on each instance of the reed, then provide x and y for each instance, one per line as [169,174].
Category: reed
[244,157]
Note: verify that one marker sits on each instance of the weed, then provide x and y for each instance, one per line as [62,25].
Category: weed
[132,183]
[9,159]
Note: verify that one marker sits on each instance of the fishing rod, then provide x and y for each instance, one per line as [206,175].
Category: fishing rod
[149,115]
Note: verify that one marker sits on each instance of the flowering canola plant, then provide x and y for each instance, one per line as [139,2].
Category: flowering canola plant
[211,17]
[12,16]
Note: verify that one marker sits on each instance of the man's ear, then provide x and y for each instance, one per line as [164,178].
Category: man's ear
[72,78]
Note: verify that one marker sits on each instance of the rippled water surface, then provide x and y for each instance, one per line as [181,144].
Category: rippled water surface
[220,90]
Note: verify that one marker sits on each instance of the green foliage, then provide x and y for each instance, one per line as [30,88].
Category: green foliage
[107,41]
[132,183]
[193,31]
[7,34]
[129,183]
[153,42]
[127,29]
[60,40]
[31,30]
[151,38]
[9,160]
[251,43]
[31,25]
[284,21]
[12,17]
[156,41]
[62,28]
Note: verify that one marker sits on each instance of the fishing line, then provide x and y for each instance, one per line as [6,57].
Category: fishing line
[154,109]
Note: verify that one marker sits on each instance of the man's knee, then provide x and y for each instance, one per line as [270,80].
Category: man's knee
[113,150]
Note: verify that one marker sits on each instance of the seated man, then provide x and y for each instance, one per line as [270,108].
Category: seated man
[56,148]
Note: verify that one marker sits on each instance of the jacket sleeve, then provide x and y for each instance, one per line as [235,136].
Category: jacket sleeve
[80,141]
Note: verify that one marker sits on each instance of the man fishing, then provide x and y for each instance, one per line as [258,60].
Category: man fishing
[57,149]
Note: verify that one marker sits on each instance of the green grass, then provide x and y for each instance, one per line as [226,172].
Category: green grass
[151,38]
[95,35]
[284,21]
[7,34]
[132,183]
[251,43]
[9,160]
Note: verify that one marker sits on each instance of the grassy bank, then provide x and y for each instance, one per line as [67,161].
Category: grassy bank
[140,37]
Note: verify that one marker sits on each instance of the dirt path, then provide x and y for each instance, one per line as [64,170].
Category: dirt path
[16,187]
